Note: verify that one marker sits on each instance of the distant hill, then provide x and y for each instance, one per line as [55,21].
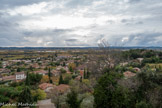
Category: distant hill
[71,48]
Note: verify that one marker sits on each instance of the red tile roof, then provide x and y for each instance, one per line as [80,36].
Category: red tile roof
[45,86]
[129,74]
[18,73]
[41,72]
[62,88]
[8,78]
[82,73]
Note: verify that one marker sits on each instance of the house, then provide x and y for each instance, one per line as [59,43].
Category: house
[35,65]
[124,63]
[46,86]
[62,88]
[81,67]
[82,73]
[42,72]
[4,64]
[20,75]
[128,74]
[78,78]
[4,71]
[9,78]
[56,72]
[140,59]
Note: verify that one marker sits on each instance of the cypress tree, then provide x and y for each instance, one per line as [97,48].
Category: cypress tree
[85,76]
[27,81]
[61,81]
[81,79]
[25,96]
[88,73]
[49,75]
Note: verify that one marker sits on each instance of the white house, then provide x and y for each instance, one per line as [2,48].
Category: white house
[20,76]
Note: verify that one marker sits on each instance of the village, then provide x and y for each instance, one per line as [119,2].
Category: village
[53,74]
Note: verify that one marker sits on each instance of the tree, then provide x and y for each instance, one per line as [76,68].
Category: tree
[25,96]
[63,64]
[61,81]
[56,55]
[81,79]
[142,104]
[31,68]
[63,70]
[85,76]
[108,94]
[49,75]
[72,67]
[27,81]
[72,100]
[38,94]
[18,69]
[34,78]
[88,74]
[45,79]
[1,65]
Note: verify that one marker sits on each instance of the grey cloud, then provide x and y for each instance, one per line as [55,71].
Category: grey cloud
[76,3]
[131,21]
[71,40]
[146,39]
[134,1]
[139,20]
[14,3]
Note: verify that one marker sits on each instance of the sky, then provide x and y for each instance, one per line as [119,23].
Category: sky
[80,23]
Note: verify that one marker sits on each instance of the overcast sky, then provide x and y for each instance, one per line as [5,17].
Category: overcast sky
[54,23]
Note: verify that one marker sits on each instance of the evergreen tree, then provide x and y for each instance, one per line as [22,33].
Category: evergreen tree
[63,64]
[49,75]
[72,100]
[61,81]
[18,69]
[55,54]
[108,94]
[88,73]
[85,76]
[25,96]
[31,68]
[71,69]
[27,81]
[81,79]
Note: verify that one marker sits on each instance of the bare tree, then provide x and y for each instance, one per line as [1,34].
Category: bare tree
[103,57]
